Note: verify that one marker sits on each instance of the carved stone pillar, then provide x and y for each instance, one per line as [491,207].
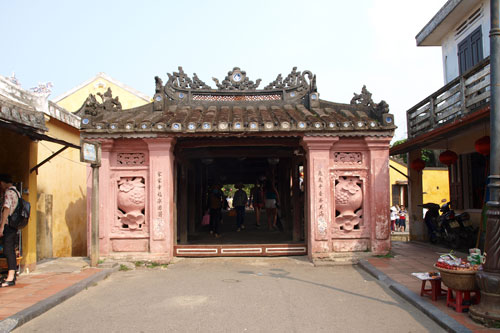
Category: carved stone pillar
[161,192]
[352,223]
[379,187]
[183,218]
[318,194]
[297,205]
[105,214]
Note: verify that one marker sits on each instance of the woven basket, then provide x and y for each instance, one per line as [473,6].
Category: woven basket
[458,280]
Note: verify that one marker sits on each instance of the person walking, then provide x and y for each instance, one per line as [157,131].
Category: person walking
[272,199]
[10,197]
[215,197]
[240,200]
[257,201]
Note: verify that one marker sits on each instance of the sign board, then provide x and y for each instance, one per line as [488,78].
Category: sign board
[90,152]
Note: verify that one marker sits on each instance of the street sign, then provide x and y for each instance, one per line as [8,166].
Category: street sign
[90,152]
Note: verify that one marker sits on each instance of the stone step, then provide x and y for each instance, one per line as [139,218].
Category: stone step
[342,258]
[400,236]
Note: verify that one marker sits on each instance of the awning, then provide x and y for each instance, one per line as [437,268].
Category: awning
[441,133]
[34,135]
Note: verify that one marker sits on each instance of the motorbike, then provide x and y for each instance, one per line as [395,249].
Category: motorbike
[453,230]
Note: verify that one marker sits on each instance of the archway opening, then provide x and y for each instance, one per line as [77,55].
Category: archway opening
[202,163]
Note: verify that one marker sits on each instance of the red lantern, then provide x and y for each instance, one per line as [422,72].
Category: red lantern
[448,157]
[482,145]
[417,164]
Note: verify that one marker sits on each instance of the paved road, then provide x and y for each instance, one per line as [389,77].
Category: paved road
[235,295]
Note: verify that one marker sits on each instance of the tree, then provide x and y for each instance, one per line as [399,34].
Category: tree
[427,155]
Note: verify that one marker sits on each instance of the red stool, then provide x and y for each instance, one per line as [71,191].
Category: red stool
[462,299]
[435,291]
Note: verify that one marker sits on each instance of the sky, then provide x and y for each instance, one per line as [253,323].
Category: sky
[347,44]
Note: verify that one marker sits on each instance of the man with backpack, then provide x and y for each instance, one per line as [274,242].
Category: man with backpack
[10,199]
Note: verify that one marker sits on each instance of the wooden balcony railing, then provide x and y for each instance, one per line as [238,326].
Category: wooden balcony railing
[462,96]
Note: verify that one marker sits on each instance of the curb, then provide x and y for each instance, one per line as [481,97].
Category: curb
[23,316]
[441,318]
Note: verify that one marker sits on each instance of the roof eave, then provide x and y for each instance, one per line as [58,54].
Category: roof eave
[449,16]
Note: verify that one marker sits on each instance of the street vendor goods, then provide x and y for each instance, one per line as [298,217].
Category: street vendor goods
[450,262]
[457,273]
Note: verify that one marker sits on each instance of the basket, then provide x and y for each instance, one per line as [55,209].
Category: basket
[458,280]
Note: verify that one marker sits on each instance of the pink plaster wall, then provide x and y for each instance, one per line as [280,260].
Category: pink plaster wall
[359,165]
[151,161]
[339,170]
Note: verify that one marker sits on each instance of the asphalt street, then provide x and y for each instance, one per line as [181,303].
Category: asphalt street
[236,295]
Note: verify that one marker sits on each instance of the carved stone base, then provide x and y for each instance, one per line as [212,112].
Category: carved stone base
[488,310]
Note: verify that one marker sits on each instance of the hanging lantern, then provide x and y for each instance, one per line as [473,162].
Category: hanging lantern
[417,164]
[448,157]
[482,145]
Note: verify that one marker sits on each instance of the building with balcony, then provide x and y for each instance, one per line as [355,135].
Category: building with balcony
[455,118]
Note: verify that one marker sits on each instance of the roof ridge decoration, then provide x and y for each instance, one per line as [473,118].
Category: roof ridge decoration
[294,80]
[287,106]
[181,88]
[365,99]
[93,107]
[236,80]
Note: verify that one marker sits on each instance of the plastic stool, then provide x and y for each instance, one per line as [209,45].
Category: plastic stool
[435,291]
[462,300]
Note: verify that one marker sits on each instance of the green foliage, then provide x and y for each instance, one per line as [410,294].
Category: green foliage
[229,189]
[124,268]
[152,265]
[387,255]
[139,263]
[427,155]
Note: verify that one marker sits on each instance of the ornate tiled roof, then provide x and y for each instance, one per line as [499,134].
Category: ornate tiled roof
[185,106]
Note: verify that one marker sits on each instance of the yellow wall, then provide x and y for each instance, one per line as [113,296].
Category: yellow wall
[64,178]
[75,101]
[17,155]
[435,182]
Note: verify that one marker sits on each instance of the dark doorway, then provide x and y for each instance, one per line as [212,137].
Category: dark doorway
[202,162]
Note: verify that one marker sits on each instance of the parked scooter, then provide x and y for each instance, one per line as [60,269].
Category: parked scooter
[448,228]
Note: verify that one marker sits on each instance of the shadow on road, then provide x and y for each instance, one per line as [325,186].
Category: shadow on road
[283,274]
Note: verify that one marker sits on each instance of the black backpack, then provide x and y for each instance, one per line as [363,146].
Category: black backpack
[20,217]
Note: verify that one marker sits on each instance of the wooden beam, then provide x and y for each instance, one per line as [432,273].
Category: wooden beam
[251,142]
[297,209]
[183,207]
[35,168]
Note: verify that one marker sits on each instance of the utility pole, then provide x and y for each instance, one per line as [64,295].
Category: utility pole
[94,240]
[488,310]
